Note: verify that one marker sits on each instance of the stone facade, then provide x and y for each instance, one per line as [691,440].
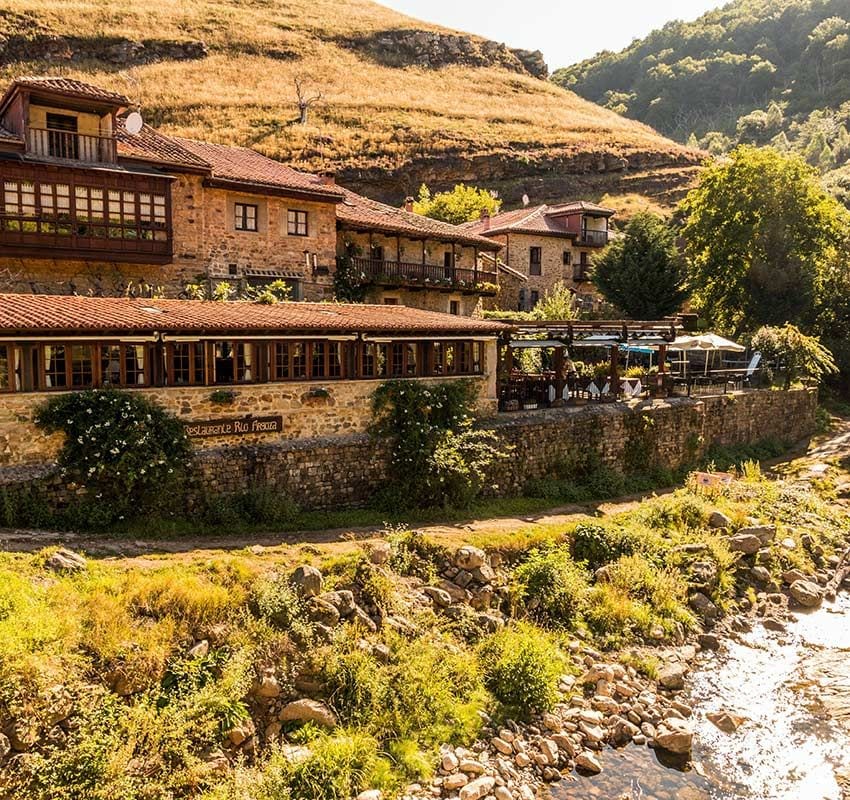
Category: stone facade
[206,245]
[516,253]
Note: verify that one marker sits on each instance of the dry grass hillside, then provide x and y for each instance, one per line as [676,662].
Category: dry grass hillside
[493,123]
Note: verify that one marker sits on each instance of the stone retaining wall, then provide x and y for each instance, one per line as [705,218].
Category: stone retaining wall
[331,473]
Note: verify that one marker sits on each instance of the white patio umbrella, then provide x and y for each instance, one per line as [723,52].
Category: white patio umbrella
[708,342]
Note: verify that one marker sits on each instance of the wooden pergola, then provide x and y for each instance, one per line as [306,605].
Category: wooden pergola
[563,336]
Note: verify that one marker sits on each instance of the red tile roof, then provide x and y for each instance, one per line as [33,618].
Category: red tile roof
[240,165]
[64,314]
[59,85]
[151,145]
[543,219]
[360,212]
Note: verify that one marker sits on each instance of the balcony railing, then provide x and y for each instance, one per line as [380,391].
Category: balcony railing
[593,238]
[71,146]
[581,273]
[426,276]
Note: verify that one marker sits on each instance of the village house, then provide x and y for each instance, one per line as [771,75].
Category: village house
[547,244]
[96,202]
[261,372]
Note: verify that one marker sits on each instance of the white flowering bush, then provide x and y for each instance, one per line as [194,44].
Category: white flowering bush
[126,451]
[438,457]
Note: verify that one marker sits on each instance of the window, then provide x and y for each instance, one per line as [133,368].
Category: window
[374,360]
[62,141]
[306,360]
[535,298]
[82,366]
[98,213]
[245,217]
[55,375]
[187,364]
[234,362]
[568,258]
[454,307]
[318,368]
[583,259]
[448,264]
[376,252]
[535,260]
[296,223]
[457,358]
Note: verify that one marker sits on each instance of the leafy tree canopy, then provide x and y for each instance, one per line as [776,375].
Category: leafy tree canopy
[642,273]
[762,240]
[462,204]
[751,72]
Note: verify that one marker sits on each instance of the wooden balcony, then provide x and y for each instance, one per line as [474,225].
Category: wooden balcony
[71,146]
[581,273]
[425,276]
[74,213]
[590,238]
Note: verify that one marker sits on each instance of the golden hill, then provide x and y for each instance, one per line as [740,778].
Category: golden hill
[389,118]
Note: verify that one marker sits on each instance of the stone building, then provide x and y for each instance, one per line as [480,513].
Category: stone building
[95,202]
[547,244]
[233,372]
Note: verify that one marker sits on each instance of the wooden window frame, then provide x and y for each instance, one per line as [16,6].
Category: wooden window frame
[11,352]
[234,358]
[194,349]
[69,366]
[296,220]
[122,364]
[241,217]
[568,258]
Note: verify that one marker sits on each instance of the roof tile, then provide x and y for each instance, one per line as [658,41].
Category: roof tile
[69,314]
[62,85]
[545,219]
[151,145]
[358,211]
[242,165]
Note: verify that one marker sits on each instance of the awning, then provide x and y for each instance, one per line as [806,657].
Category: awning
[529,344]
[706,341]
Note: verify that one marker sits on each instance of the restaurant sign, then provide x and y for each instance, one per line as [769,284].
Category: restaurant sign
[243,426]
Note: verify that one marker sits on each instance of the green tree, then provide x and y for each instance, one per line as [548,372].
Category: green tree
[557,304]
[642,273]
[760,235]
[462,204]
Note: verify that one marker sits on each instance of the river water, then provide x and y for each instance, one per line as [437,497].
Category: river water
[794,690]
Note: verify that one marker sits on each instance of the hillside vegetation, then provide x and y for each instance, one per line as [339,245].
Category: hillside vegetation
[752,72]
[427,104]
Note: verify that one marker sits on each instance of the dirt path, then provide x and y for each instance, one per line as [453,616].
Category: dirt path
[831,448]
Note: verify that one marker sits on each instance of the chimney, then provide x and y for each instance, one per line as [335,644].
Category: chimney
[485,219]
[408,204]
[328,178]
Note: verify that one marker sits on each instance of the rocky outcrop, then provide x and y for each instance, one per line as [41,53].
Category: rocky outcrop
[117,51]
[435,49]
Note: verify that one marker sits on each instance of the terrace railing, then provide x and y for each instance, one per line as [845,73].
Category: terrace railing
[71,146]
[593,238]
[428,276]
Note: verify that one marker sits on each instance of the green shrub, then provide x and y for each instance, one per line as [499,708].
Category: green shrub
[598,544]
[338,768]
[414,554]
[426,693]
[522,665]
[277,602]
[552,587]
[256,506]
[125,450]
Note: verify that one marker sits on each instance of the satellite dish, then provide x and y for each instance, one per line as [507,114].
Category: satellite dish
[133,122]
[525,200]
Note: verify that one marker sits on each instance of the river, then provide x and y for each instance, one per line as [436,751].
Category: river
[792,687]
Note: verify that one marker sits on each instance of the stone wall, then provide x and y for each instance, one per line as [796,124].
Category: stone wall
[326,472]
[347,471]
[310,410]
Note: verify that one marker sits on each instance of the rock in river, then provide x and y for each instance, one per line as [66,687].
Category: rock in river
[674,736]
[806,593]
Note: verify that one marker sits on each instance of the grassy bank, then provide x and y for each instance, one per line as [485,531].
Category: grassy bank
[169,680]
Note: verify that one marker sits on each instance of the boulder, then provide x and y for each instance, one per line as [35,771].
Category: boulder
[306,710]
[744,543]
[5,746]
[455,781]
[480,787]
[469,557]
[241,733]
[440,597]
[322,612]
[380,552]
[342,601]
[199,649]
[502,746]
[703,605]
[588,762]
[807,593]
[307,581]
[726,721]
[370,794]
[717,519]
[674,736]
[792,575]
[760,574]
[267,686]
[450,761]
[788,544]
[565,744]
[765,533]
[64,560]
[672,676]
